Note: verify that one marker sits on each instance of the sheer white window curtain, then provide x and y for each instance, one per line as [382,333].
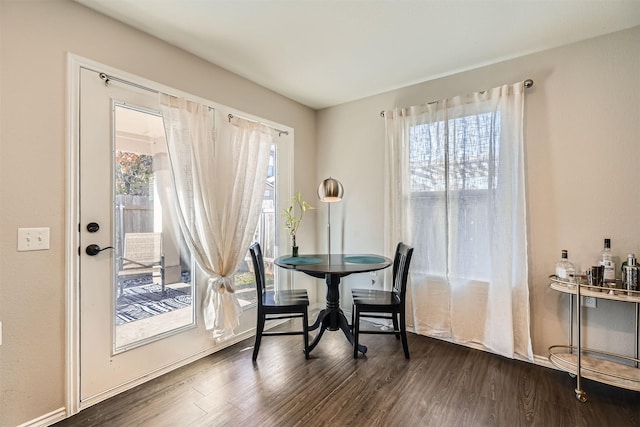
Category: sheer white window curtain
[456,192]
[219,183]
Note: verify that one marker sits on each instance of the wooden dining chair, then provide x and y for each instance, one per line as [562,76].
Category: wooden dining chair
[286,304]
[371,303]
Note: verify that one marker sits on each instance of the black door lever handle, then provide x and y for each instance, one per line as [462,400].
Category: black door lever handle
[94,249]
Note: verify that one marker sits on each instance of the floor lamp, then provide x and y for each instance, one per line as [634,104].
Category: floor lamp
[329,191]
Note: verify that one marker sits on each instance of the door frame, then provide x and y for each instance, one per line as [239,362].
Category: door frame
[73,404]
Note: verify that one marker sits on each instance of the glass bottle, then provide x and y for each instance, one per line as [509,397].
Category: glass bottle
[630,274]
[608,262]
[565,270]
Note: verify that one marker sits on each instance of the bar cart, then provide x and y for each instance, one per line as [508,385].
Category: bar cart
[602,366]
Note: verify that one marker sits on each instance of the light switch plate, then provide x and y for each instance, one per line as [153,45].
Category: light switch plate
[33,239]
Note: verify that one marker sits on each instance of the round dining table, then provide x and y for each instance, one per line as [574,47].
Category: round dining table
[332,267]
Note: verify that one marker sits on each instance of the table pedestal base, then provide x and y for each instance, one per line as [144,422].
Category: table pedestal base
[332,317]
[333,320]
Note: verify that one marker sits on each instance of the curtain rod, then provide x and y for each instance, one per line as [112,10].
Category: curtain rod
[527,84]
[107,78]
[280,131]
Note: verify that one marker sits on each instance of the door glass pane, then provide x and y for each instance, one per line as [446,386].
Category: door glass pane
[153,284]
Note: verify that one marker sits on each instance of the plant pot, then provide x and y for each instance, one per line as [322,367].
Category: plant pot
[294,251]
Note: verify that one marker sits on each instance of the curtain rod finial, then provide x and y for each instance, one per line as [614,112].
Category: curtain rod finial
[528,83]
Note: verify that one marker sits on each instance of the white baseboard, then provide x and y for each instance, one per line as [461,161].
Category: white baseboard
[47,419]
[544,361]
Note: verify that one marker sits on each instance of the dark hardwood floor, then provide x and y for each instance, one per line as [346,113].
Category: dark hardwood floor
[442,384]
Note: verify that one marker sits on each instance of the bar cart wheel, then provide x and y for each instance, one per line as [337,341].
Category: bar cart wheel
[581,395]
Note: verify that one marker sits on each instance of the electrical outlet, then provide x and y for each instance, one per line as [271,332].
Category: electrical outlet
[589,302]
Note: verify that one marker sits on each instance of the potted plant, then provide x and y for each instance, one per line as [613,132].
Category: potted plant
[292,218]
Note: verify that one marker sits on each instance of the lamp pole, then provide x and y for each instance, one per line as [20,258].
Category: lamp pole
[329,229]
[330,190]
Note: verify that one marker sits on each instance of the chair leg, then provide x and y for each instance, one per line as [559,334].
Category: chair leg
[394,316]
[305,329]
[403,334]
[355,315]
[259,330]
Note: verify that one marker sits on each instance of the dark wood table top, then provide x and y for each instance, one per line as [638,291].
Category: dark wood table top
[319,265]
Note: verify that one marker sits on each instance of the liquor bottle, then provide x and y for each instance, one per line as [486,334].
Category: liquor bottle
[565,270]
[630,274]
[608,262]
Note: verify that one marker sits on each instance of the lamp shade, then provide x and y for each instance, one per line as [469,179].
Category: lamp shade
[330,190]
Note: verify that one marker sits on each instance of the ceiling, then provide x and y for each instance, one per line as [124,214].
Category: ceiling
[326,52]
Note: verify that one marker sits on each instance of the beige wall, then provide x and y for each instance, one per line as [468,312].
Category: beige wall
[582,168]
[35,37]
[582,129]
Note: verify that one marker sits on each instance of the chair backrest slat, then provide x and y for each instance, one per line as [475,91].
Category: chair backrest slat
[401,264]
[258,268]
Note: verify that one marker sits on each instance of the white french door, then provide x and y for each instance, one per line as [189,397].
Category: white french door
[118,174]
[137,300]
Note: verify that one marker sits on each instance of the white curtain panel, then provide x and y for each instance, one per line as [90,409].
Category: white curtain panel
[219,183]
[456,193]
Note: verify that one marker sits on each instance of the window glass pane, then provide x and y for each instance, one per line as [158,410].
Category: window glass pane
[153,269]
[452,169]
[463,146]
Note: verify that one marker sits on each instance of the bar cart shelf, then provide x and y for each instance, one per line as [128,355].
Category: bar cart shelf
[605,367]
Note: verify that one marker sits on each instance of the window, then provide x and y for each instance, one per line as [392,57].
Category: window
[451,164]
[456,193]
